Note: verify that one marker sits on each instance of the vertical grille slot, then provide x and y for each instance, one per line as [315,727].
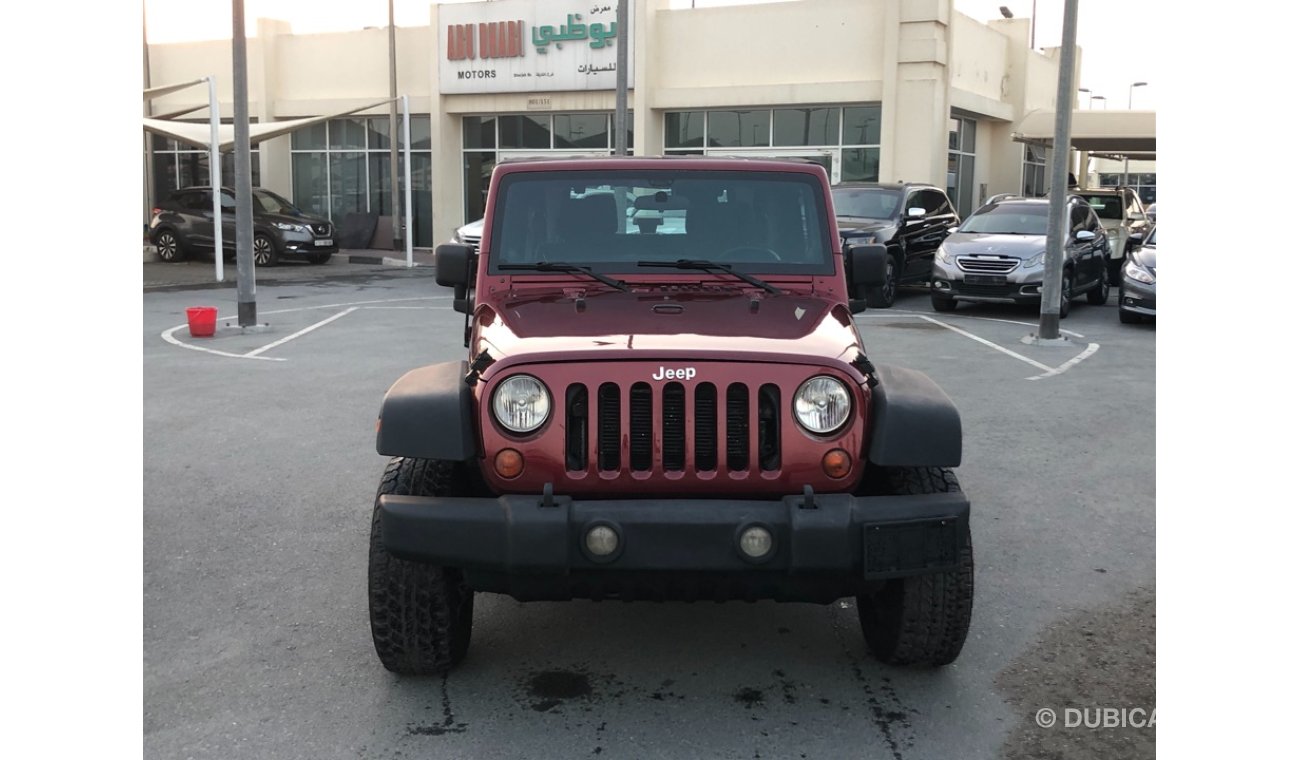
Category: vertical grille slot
[575,427]
[608,432]
[640,422]
[706,427]
[674,427]
[737,427]
[769,427]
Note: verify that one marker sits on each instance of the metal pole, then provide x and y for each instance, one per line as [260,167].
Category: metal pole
[392,127]
[620,94]
[410,218]
[1049,324]
[246,276]
[148,111]
[214,173]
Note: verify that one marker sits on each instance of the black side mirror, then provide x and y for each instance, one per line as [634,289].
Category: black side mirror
[455,269]
[452,260]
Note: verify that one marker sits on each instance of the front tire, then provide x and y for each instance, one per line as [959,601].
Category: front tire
[1067,286]
[882,297]
[421,615]
[264,251]
[922,619]
[319,258]
[942,303]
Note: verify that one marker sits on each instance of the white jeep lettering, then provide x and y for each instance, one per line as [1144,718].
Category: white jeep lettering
[664,373]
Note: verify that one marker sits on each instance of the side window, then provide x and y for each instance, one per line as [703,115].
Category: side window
[197,202]
[935,203]
[915,199]
[1134,205]
[227,201]
[1078,219]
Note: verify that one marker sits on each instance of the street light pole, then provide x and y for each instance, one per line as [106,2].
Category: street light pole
[245,275]
[1130,107]
[1049,317]
[1102,98]
[392,128]
[620,81]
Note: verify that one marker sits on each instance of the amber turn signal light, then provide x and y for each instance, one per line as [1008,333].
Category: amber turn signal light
[837,463]
[509,463]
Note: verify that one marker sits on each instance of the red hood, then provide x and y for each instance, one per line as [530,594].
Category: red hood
[717,323]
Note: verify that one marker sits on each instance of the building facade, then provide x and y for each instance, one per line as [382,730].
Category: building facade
[874,90]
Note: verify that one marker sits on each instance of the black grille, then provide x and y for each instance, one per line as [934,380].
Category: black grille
[737,427]
[639,439]
[674,427]
[706,427]
[992,291]
[640,422]
[607,434]
[971,264]
[769,427]
[575,429]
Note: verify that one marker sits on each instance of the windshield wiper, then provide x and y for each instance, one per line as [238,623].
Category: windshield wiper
[562,266]
[711,266]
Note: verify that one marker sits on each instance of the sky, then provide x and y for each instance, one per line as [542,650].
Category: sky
[1117,52]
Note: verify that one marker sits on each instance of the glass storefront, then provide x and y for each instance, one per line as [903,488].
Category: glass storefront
[342,167]
[177,165]
[961,164]
[844,139]
[1144,183]
[489,139]
[1034,172]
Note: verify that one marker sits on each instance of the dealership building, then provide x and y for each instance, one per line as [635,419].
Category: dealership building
[874,90]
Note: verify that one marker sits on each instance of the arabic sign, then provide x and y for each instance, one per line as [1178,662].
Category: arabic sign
[529,46]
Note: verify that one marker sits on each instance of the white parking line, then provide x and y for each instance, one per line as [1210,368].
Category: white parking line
[299,334]
[991,345]
[169,336]
[879,315]
[1089,351]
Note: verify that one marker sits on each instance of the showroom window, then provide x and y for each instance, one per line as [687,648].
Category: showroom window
[342,167]
[178,164]
[1144,183]
[489,139]
[961,163]
[844,139]
[1034,184]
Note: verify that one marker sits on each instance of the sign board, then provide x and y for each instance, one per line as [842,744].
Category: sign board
[529,46]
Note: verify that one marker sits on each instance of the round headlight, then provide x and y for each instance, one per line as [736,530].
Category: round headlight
[822,404]
[521,404]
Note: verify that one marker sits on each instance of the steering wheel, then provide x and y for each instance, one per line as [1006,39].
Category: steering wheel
[768,254]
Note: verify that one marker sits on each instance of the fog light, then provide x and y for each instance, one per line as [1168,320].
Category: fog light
[602,541]
[756,542]
[941,284]
[836,463]
[509,463]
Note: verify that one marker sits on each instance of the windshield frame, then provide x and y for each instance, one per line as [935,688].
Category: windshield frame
[821,232]
[1006,209]
[292,209]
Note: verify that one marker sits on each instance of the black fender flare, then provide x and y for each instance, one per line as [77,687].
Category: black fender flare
[913,422]
[429,414]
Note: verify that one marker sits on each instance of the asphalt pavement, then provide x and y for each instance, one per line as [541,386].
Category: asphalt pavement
[259,478]
[199,272]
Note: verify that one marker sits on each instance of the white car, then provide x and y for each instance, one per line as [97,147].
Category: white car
[469,234]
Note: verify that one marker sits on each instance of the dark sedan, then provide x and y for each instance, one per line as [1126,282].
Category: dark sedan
[184,223]
[1137,285]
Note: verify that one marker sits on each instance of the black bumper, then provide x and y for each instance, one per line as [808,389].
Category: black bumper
[824,548]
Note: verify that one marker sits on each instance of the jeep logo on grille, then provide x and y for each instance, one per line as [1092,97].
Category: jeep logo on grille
[686,373]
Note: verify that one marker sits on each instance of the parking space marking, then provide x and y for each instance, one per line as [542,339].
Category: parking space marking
[169,335]
[300,333]
[892,312]
[1089,351]
[989,343]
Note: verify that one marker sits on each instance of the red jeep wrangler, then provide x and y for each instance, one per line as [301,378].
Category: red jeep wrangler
[666,397]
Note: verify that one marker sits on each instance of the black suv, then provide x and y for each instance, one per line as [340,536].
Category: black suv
[910,219]
[183,223]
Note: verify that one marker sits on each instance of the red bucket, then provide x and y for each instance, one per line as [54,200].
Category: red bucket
[203,321]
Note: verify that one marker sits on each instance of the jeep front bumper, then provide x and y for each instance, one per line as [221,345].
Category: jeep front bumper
[824,546]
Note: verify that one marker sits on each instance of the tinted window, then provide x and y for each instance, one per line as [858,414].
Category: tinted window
[1078,218]
[197,201]
[934,202]
[867,202]
[1009,219]
[609,220]
[271,203]
[1107,206]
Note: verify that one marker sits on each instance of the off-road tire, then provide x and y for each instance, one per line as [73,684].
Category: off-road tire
[420,615]
[922,619]
[882,296]
[942,303]
[1099,295]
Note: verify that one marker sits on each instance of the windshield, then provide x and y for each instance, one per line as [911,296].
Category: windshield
[1151,239]
[1106,206]
[766,222]
[867,202]
[1008,219]
[271,203]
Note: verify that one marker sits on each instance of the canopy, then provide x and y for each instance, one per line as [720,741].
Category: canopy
[201,134]
[1126,134]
